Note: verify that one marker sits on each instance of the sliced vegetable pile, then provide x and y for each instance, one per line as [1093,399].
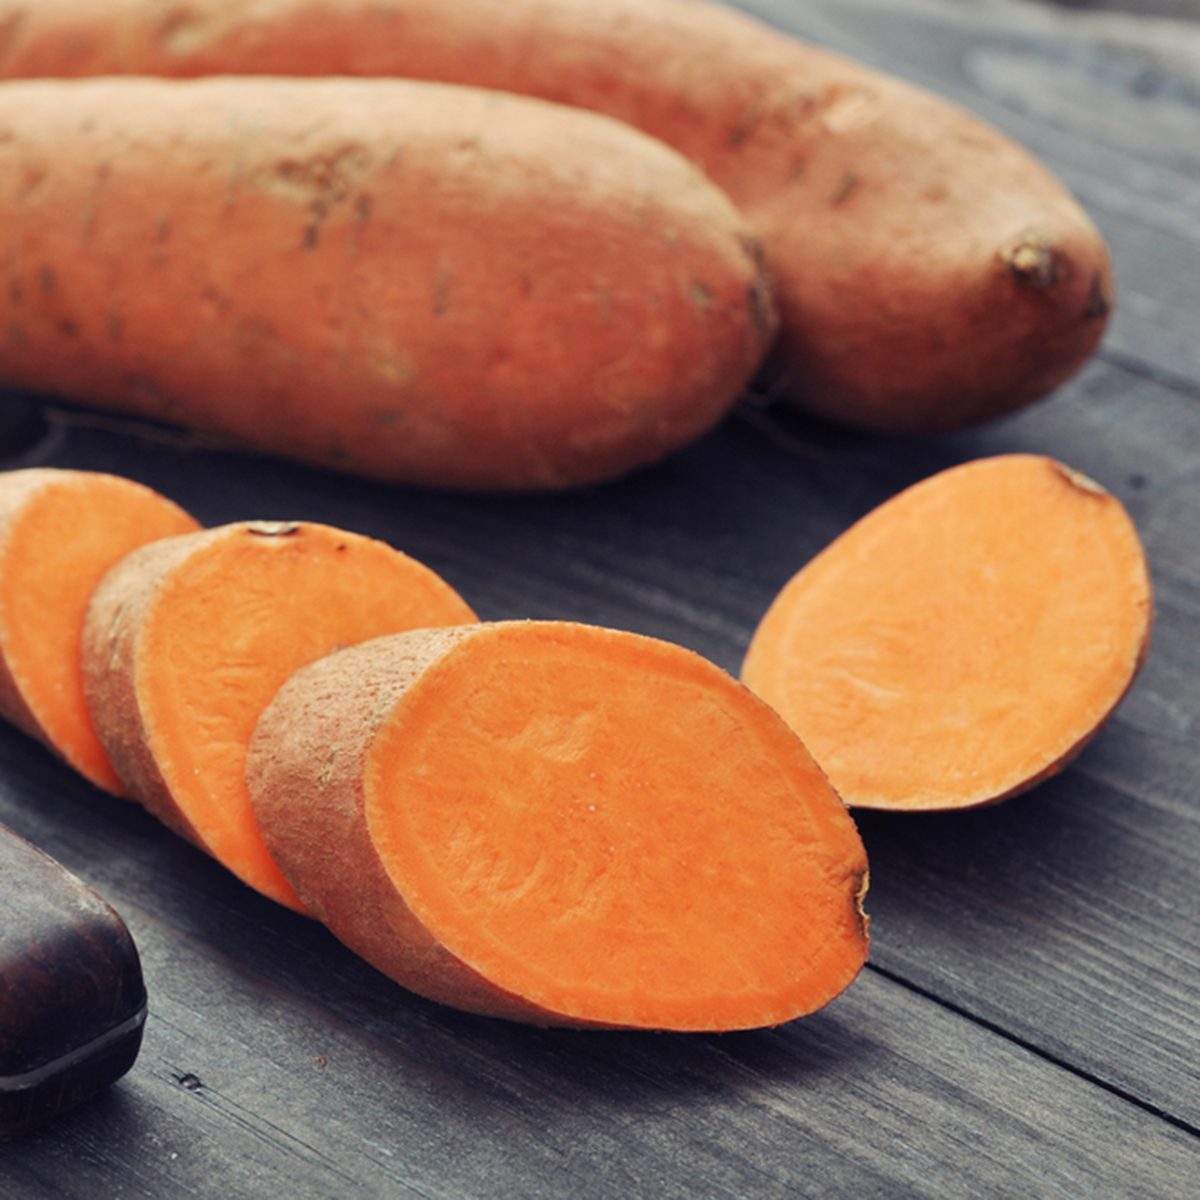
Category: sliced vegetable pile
[559,823]
[451,287]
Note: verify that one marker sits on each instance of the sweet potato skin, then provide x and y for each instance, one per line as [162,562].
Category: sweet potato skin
[423,283]
[187,639]
[109,658]
[307,773]
[930,274]
[325,725]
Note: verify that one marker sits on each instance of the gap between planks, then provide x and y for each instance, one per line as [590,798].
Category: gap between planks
[1037,1051]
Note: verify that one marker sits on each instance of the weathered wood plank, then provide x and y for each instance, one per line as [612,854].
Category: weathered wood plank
[276,1063]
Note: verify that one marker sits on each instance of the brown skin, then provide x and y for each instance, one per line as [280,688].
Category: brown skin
[563,825]
[422,283]
[60,531]
[965,640]
[930,273]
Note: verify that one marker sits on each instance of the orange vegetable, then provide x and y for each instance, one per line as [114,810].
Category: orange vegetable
[963,641]
[186,641]
[419,282]
[930,273]
[563,825]
[60,531]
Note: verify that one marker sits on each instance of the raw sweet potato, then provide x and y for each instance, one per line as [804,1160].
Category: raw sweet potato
[60,531]
[420,282]
[187,639]
[563,825]
[930,273]
[963,641]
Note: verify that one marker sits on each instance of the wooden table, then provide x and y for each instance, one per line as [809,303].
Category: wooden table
[1029,1024]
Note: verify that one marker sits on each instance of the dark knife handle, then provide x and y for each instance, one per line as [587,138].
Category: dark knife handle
[72,998]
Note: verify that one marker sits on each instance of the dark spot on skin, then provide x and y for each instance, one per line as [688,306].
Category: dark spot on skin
[747,123]
[443,285]
[341,546]
[189,1082]
[700,295]
[1098,304]
[762,307]
[218,300]
[16,335]
[34,178]
[362,209]
[142,385]
[16,291]
[47,281]
[67,327]
[162,230]
[846,187]
[526,284]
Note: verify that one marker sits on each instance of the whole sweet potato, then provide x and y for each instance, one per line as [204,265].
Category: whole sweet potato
[426,283]
[930,273]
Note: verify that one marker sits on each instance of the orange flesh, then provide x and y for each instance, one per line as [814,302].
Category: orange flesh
[58,549]
[614,830]
[964,639]
[231,624]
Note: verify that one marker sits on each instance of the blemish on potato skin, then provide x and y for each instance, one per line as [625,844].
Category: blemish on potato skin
[443,286]
[47,280]
[700,296]
[847,186]
[31,182]
[1098,304]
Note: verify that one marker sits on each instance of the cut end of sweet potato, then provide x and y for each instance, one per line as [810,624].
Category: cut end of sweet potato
[60,532]
[188,641]
[565,825]
[963,641]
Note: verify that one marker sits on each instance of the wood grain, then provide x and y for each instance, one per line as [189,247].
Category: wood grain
[276,1062]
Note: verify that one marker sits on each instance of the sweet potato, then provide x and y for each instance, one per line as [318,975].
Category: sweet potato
[963,641]
[563,825]
[60,531]
[930,273]
[425,283]
[187,639]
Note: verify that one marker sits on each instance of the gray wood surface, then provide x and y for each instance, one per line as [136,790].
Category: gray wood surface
[1030,1021]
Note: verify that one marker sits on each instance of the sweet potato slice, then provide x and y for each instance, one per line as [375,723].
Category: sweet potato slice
[963,641]
[563,825]
[60,531]
[188,639]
